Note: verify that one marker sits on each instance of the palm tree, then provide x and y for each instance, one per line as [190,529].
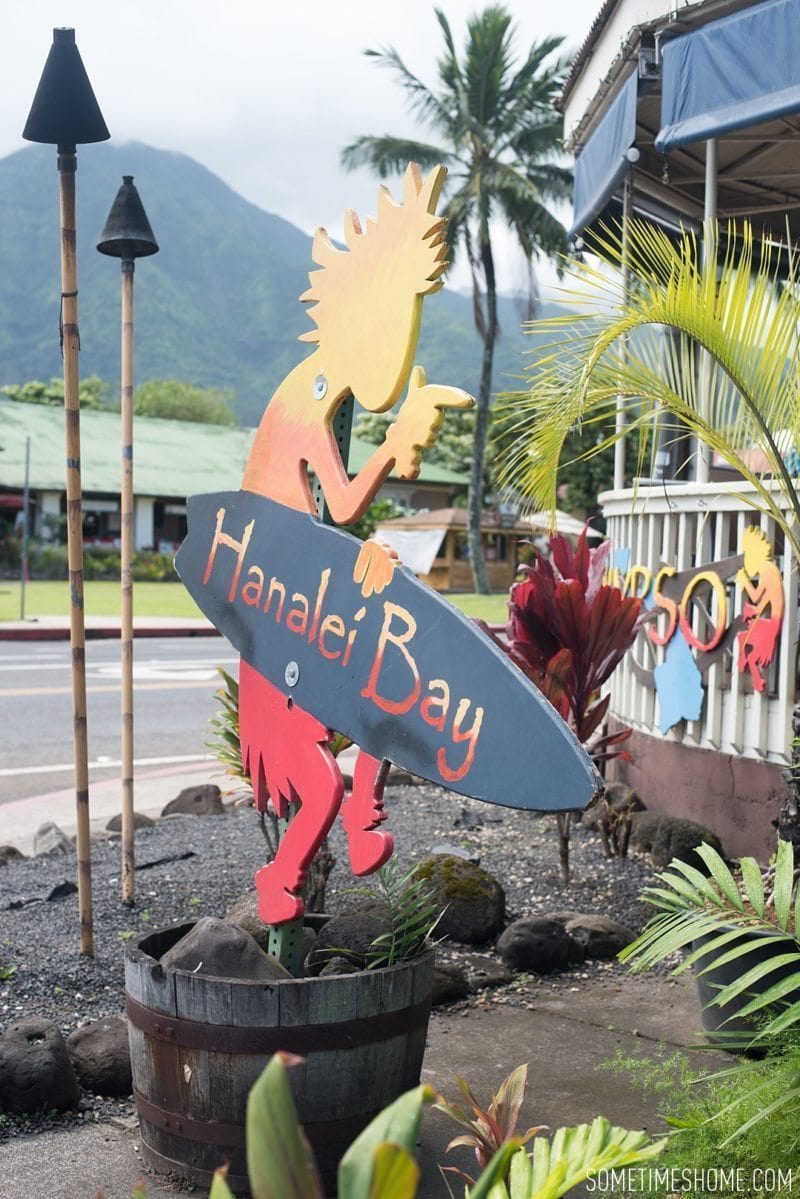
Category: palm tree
[729,371]
[499,136]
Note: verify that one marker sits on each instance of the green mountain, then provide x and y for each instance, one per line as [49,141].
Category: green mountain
[217,306]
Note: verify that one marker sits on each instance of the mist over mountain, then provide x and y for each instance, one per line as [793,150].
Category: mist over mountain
[217,306]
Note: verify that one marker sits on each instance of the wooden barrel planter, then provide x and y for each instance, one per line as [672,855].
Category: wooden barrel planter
[198,1044]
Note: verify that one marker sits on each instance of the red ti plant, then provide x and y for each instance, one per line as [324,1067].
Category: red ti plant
[488,1129]
[568,631]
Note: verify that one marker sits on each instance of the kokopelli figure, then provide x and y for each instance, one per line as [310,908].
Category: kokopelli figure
[367,306]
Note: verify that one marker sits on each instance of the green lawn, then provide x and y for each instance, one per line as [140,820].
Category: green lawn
[51,598]
[171,599]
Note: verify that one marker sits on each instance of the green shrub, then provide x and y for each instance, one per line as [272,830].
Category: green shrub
[49,562]
[716,1119]
[149,566]
[100,562]
[10,554]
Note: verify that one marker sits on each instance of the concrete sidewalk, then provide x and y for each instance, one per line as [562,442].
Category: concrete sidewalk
[152,791]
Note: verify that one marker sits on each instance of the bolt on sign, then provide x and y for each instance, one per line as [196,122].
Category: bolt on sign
[697,619]
[335,635]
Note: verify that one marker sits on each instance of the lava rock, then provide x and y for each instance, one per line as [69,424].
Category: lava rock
[337,966]
[10,853]
[244,914]
[203,800]
[563,918]
[666,837]
[349,935]
[35,1070]
[139,821]
[449,983]
[220,949]
[538,945]
[101,1057]
[484,972]
[600,936]
[62,891]
[473,903]
[50,839]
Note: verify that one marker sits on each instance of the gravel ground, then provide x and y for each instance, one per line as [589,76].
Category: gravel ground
[189,866]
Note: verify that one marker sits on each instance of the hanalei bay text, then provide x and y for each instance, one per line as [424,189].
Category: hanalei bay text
[333,636]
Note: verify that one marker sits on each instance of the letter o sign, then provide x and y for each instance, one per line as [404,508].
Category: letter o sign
[718,587]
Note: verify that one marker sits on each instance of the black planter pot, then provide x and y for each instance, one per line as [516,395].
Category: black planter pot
[723,1021]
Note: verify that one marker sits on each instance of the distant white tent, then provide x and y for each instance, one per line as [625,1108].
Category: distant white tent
[570,526]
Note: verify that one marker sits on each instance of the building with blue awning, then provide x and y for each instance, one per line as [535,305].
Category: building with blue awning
[715,126]
[678,111]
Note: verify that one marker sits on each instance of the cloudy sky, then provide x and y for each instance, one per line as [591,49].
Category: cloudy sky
[263,93]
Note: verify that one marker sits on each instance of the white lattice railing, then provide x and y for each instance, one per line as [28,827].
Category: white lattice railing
[688,525]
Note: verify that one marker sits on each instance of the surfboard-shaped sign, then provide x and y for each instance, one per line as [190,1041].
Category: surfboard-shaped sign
[401,672]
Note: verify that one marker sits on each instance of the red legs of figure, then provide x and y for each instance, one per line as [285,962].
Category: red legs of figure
[286,753]
[362,812]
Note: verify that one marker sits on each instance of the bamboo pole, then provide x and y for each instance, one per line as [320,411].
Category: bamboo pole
[126,555]
[67,165]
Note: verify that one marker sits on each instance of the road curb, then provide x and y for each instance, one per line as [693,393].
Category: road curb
[56,633]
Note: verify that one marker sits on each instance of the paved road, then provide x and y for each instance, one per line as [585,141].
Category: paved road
[174,681]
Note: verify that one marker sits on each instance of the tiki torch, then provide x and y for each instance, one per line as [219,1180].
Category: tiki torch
[127,235]
[65,113]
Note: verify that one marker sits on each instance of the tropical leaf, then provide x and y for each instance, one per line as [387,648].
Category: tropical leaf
[492,1127]
[397,1125]
[495,127]
[280,1163]
[578,1153]
[728,371]
[721,925]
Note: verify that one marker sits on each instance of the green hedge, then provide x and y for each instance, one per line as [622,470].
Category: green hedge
[99,562]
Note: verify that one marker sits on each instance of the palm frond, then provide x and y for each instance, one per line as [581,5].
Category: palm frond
[487,63]
[723,923]
[728,302]
[421,98]
[413,915]
[388,155]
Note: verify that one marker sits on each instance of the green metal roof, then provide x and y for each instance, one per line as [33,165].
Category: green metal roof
[172,458]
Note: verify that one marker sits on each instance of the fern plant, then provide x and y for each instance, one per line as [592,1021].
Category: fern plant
[723,918]
[413,915]
[728,298]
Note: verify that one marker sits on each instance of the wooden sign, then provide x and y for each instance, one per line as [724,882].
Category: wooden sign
[696,625]
[334,635]
[402,672]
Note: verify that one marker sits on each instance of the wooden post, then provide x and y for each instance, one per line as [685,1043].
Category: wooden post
[67,164]
[127,866]
[127,235]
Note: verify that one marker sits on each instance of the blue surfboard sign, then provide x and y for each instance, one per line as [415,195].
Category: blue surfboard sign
[401,672]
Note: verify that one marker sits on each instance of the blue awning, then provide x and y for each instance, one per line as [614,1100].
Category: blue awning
[731,73]
[601,164]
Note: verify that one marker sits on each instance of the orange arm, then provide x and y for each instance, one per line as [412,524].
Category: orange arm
[348,499]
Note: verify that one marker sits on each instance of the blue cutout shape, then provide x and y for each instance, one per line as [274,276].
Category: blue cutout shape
[678,685]
[621,559]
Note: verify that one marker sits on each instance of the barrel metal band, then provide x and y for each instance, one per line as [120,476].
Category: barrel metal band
[300,1038]
[213,1132]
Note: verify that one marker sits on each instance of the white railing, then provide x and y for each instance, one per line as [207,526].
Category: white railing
[688,525]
